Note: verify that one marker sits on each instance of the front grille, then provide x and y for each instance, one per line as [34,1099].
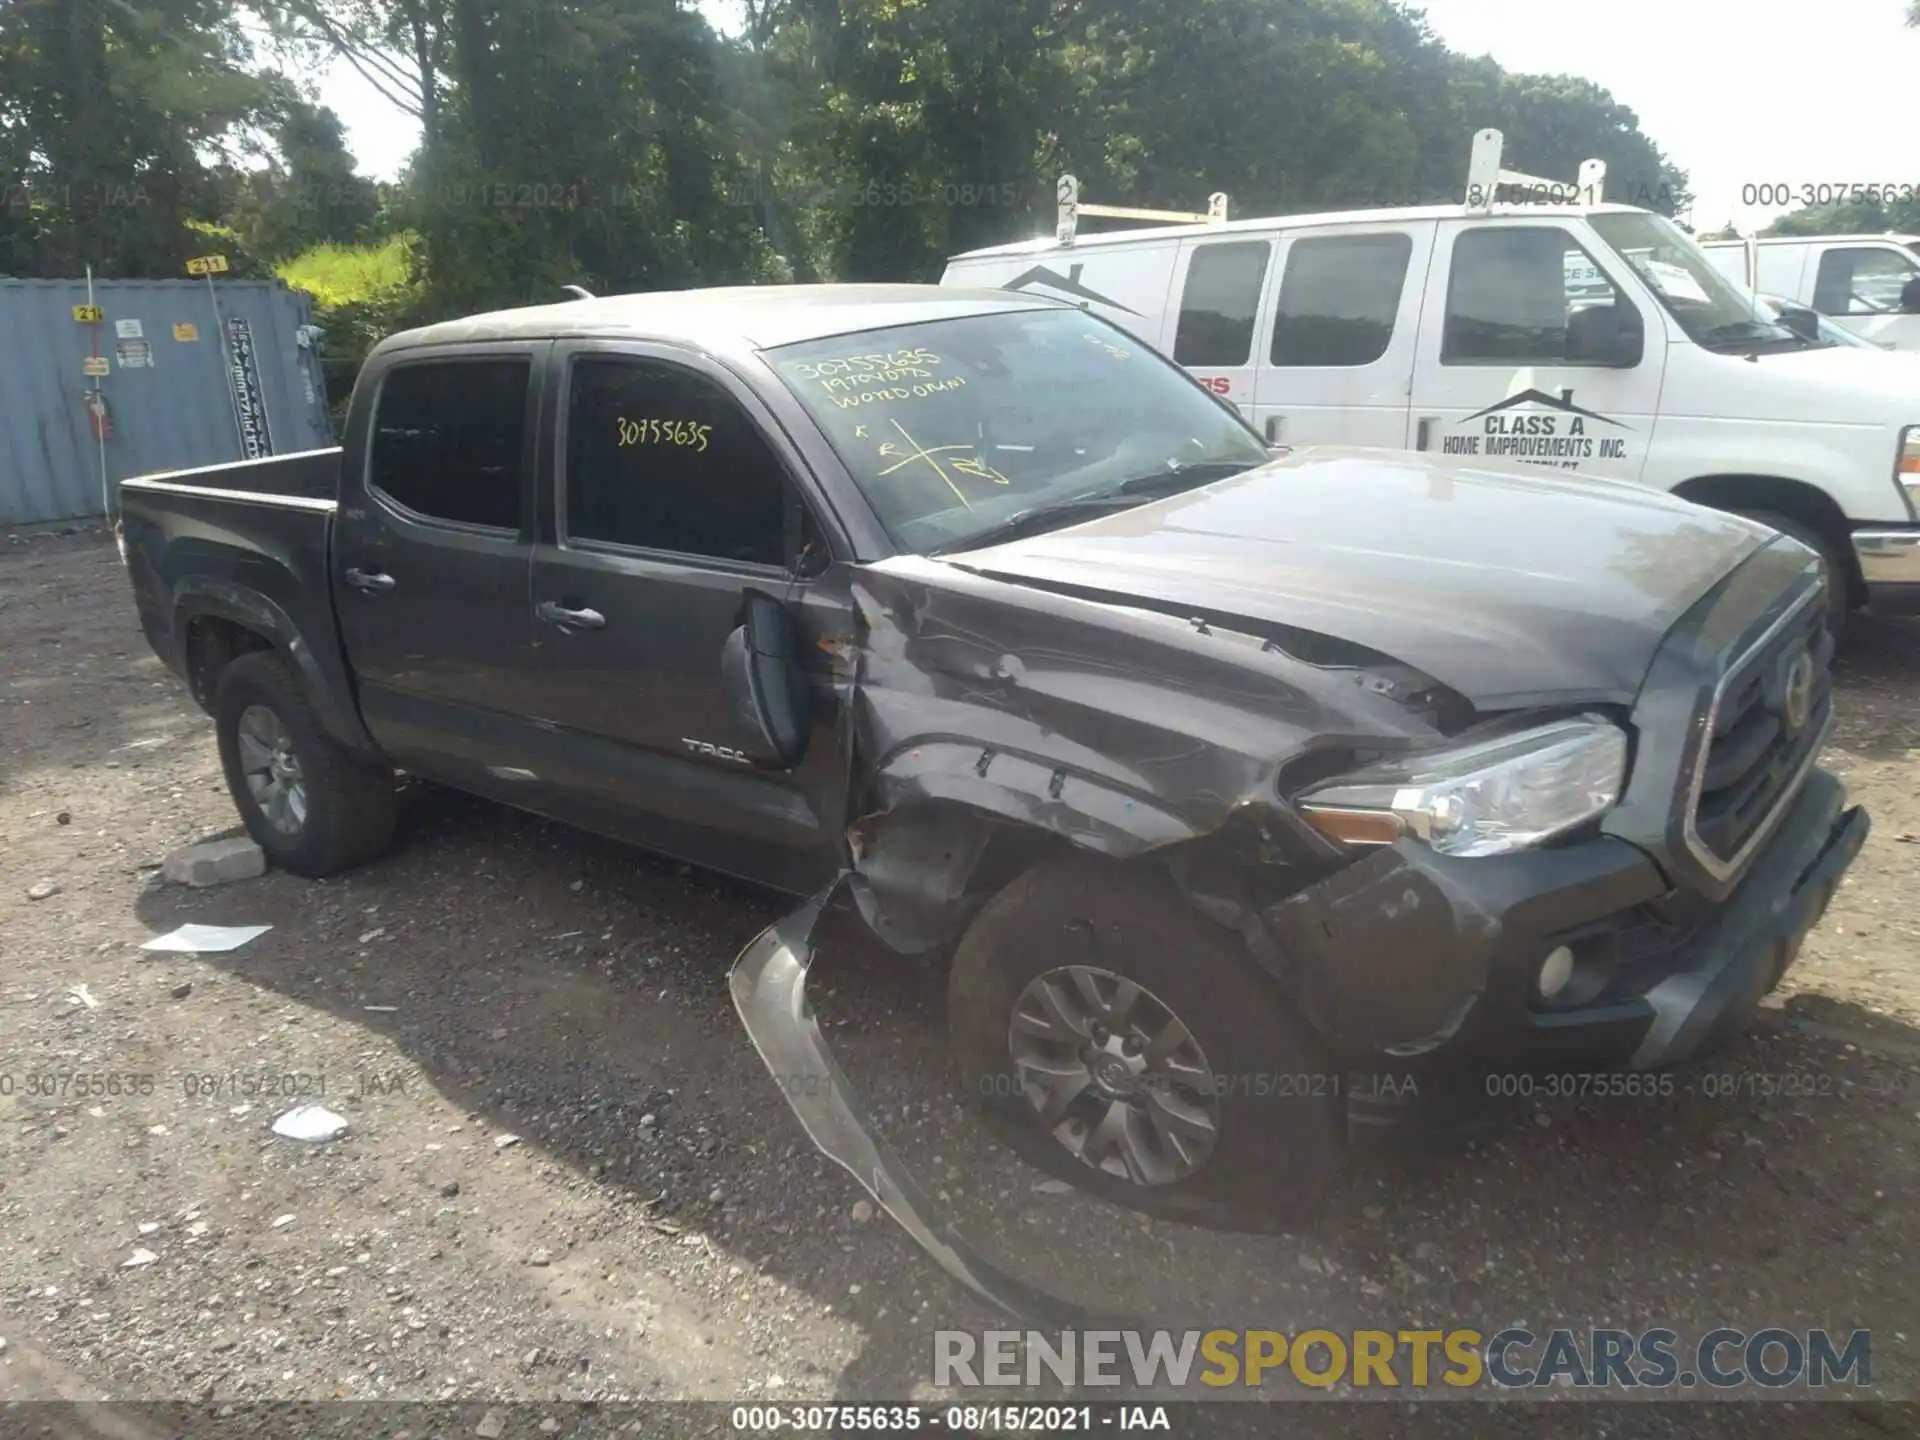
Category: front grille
[1755,756]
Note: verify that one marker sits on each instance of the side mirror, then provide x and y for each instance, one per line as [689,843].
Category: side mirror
[1800,320]
[1605,335]
[766,689]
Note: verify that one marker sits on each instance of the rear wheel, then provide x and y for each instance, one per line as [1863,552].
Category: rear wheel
[311,804]
[1120,1042]
[1839,598]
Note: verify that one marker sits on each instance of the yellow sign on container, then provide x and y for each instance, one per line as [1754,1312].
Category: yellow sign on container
[88,314]
[207,265]
[95,365]
[184,331]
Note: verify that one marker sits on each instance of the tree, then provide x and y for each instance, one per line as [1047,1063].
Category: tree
[109,113]
[308,193]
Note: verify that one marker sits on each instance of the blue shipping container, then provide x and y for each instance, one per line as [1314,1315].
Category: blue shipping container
[183,378]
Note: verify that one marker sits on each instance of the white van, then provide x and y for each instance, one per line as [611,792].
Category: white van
[1868,283]
[1594,338]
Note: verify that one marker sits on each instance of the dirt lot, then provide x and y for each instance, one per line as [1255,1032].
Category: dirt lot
[660,1228]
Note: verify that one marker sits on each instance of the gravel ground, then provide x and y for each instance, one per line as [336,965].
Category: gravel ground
[567,1178]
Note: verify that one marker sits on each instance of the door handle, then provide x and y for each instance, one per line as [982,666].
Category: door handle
[1273,428]
[1423,432]
[371,581]
[558,614]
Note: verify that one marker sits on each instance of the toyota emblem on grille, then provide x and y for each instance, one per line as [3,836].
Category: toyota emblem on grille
[1796,700]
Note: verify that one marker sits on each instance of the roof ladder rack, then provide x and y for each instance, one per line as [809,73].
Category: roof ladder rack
[1484,177]
[1068,193]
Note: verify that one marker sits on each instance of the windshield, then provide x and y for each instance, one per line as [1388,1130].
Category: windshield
[1713,310]
[955,428]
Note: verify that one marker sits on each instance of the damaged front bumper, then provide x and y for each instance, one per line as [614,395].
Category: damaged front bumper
[1411,959]
[769,982]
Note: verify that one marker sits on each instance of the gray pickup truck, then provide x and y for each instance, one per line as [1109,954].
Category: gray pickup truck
[1213,778]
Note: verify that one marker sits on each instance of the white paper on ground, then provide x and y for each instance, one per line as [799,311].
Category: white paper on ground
[206,939]
[310,1122]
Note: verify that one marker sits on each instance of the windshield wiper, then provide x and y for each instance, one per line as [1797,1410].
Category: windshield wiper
[1750,332]
[1037,518]
[1185,475]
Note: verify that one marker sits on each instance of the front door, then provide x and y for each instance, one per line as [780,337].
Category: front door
[671,501]
[1338,365]
[432,550]
[1496,376]
[1873,290]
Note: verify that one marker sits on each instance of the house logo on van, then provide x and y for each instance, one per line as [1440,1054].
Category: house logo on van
[1067,284]
[1538,427]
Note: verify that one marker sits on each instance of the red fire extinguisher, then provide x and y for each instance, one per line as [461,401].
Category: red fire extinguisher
[98,415]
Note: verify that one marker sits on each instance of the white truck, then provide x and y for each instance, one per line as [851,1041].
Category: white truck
[1573,334]
[1868,283]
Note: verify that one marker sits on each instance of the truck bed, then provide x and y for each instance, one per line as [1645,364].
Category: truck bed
[243,544]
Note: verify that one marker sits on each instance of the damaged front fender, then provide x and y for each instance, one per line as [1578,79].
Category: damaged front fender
[768,982]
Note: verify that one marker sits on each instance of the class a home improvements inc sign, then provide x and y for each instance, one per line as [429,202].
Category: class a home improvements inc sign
[1539,428]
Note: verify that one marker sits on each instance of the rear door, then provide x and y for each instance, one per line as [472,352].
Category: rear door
[1337,366]
[432,549]
[1492,375]
[674,493]
[1222,287]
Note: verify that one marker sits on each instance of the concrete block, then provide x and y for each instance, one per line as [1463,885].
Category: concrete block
[215,862]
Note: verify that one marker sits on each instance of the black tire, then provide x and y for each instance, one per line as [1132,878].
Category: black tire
[1280,1112]
[1838,572]
[350,807]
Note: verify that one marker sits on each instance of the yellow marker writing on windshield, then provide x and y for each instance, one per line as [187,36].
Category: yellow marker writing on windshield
[921,452]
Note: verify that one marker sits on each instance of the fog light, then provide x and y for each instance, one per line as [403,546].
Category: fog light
[1556,972]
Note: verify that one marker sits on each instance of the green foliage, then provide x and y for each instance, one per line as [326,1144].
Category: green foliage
[361,294]
[624,145]
[1850,217]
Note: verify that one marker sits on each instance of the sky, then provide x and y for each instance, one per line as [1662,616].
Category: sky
[1738,95]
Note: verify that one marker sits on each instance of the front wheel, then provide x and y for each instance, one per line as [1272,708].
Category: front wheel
[311,804]
[1119,1041]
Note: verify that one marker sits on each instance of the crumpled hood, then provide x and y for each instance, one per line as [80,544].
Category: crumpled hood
[1511,587]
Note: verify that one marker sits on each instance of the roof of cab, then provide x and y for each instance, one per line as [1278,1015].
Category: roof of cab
[1266,224]
[1898,237]
[751,317]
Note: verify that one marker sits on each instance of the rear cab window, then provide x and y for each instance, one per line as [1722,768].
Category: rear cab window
[448,442]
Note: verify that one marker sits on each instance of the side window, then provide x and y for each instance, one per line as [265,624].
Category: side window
[662,458]
[1511,292]
[1219,303]
[1339,296]
[1861,280]
[447,440]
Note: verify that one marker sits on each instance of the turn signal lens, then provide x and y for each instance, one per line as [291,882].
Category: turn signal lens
[1354,827]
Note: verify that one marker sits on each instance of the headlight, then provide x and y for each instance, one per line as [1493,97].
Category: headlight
[1486,799]
[1908,470]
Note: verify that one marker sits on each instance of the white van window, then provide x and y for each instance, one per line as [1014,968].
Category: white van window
[1339,295]
[1510,291]
[1862,280]
[1218,306]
